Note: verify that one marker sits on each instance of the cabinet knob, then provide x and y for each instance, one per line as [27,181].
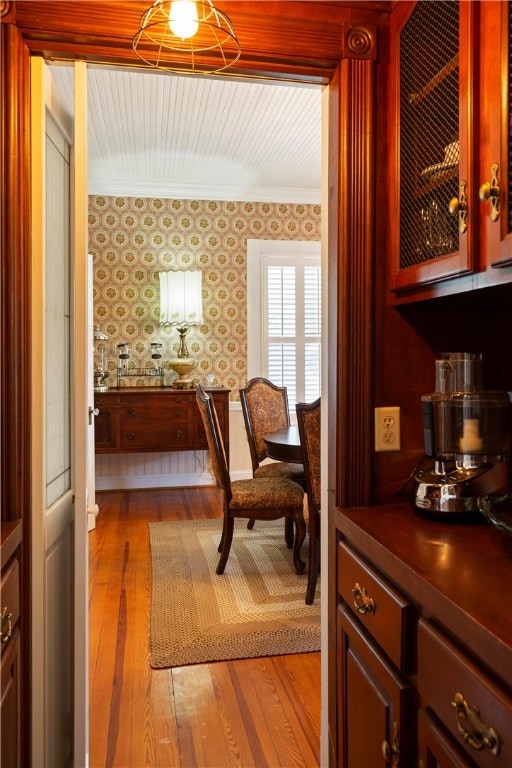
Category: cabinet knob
[179,433]
[131,413]
[6,626]
[459,206]
[362,603]
[391,754]
[130,435]
[478,735]
[491,191]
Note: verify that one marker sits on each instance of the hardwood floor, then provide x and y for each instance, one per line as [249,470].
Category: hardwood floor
[261,712]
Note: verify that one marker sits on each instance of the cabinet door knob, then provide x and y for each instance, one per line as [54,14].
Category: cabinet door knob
[179,433]
[6,627]
[130,435]
[459,206]
[362,603]
[131,413]
[491,191]
[478,735]
[391,754]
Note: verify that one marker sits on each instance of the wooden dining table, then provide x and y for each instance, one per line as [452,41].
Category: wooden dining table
[284,445]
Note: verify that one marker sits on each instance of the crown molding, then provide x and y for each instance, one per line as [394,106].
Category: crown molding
[130,188]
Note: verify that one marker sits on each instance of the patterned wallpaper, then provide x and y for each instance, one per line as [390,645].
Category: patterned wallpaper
[132,239]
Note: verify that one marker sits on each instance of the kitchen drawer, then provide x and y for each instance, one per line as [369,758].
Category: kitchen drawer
[469,704]
[386,614]
[11,595]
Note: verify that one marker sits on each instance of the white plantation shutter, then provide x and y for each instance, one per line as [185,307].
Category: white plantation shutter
[312,331]
[291,321]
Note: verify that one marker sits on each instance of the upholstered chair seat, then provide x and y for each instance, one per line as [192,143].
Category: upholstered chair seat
[259,493]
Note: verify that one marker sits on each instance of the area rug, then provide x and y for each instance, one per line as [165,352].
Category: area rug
[255,608]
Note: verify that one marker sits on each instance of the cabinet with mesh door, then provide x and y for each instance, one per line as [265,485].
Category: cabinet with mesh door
[451,135]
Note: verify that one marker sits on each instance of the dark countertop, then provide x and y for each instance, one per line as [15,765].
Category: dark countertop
[461,573]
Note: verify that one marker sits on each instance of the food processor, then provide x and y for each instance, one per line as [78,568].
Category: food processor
[466,434]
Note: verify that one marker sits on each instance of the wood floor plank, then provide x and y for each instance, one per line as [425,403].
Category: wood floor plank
[234,732]
[259,734]
[255,713]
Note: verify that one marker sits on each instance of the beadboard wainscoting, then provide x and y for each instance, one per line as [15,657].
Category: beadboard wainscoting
[125,471]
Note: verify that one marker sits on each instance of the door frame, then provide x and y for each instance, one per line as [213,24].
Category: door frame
[350,247]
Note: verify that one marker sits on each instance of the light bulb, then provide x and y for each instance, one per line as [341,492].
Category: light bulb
[183,20]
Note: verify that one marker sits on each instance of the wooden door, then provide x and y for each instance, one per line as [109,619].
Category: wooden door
[59,428]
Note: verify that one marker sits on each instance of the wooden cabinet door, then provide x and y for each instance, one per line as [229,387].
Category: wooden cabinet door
[495,141]
[10,703]
[434,95]
[375,713]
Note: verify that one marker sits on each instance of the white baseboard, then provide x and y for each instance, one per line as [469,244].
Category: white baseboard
[133,482]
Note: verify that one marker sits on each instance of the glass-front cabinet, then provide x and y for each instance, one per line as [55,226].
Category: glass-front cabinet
[453,140]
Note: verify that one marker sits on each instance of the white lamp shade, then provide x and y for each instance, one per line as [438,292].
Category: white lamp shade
[181,298]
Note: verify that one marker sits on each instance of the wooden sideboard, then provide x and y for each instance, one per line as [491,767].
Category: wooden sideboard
[144,419]
[423,638]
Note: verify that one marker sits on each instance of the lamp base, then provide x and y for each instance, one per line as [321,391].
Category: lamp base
[182,366]
[180,383]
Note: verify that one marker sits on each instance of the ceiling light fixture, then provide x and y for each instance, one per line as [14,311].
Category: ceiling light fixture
[186,37]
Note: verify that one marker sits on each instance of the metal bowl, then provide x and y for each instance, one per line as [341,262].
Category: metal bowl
[497,510]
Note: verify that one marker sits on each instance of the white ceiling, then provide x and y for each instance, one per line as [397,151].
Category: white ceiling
[160,135]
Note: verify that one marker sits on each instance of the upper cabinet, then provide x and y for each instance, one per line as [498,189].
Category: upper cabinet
[453,145]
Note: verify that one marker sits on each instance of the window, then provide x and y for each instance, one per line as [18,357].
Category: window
[284,315]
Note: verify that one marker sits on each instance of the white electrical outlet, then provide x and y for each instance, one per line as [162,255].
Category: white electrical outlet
[387,428]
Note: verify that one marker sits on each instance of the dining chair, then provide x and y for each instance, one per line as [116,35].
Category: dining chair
[268,498]
[265,410]
[308,421]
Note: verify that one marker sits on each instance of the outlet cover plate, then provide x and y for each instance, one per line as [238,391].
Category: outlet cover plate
[387,428]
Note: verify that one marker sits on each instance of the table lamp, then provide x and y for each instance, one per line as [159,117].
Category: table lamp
[181,304]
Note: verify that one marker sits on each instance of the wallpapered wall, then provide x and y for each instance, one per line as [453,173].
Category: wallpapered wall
[132,239]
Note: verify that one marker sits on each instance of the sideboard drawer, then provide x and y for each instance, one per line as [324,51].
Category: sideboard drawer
[385,613]
[469,704]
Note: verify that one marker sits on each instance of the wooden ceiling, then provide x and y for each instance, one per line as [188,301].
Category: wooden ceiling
[299,39]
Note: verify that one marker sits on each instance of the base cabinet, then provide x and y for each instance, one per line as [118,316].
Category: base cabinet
[145,419]
[423,645]
[10,645]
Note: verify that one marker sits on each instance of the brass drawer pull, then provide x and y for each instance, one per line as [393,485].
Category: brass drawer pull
[362,603]
[131,435]
[6,628]
[131,414]
[179,433]
[178,413]
[479,734]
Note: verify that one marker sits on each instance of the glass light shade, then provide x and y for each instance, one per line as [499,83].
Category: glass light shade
[181,298]
[183,19]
